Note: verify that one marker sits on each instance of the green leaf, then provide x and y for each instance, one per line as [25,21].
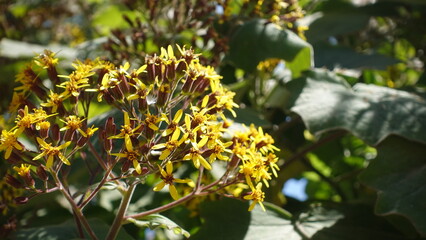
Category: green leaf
[399,174]
[155,221]
[326,102]
[336,23]
[230,219]
[258,40]
[66,230]
[344,57]
[343,221]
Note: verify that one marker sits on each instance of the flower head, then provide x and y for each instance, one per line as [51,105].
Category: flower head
[168,179]
[8,142]
[50,152]
[257,196]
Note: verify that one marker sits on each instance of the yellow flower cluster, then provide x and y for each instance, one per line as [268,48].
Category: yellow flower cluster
[173,112]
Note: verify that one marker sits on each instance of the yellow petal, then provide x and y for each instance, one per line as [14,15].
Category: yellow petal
[169,168]
[64,159]
[137,166]
[178,116]
[7,153]
[49,161]
[126,119]
[128,143]
[252,205]
[164,154]
[159,186]
[176,134]
[173,192]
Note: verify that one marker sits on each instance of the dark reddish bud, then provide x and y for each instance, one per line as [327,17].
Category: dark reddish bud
[56,134]
[126,166]
[234,162]
[117,93]
[150,71]
[186,88]
[181,67]
[69,134]
[163,95]
[171,73]
[143,105]
[108,145]
[12,181]
[21,200]
[28,179]
[53,74]
[124,85]
[110,127]
[41,173]
[201,85]
[82,141]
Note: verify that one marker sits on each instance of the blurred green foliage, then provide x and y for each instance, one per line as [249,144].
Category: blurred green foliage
[339,85]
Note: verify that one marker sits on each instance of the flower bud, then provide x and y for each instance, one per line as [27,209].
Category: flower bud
[126,166]
[82,141]
[143,105]
[41,173]
[108,145]
[56,134]
[110,127]
[163,95]
[12,181]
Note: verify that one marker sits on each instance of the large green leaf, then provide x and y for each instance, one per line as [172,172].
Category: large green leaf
[337,56]
[66,230]
[155,221]
[399,173]
[335,222]
[325,102]
[229,219]
[258,40]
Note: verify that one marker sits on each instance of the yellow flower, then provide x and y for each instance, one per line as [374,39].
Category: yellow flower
[54,101]
[18,99]
[218,149]
[173,125]
[257,196]
[167,177]
[50,151]
[127,131]
[46,59]
[24,121]
[152,121]
[170,145]
[131,155]
[8,142]
[195,155]
[77,80]
[74,123]
[23,170]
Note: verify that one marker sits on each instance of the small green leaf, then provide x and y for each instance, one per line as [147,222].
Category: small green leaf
[326,102]
[399,173]
[155,221]
[258,40]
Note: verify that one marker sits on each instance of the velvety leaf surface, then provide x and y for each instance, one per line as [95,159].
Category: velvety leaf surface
[229,219]
[66,230]
[325,102]
[258,40]
[399,174]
